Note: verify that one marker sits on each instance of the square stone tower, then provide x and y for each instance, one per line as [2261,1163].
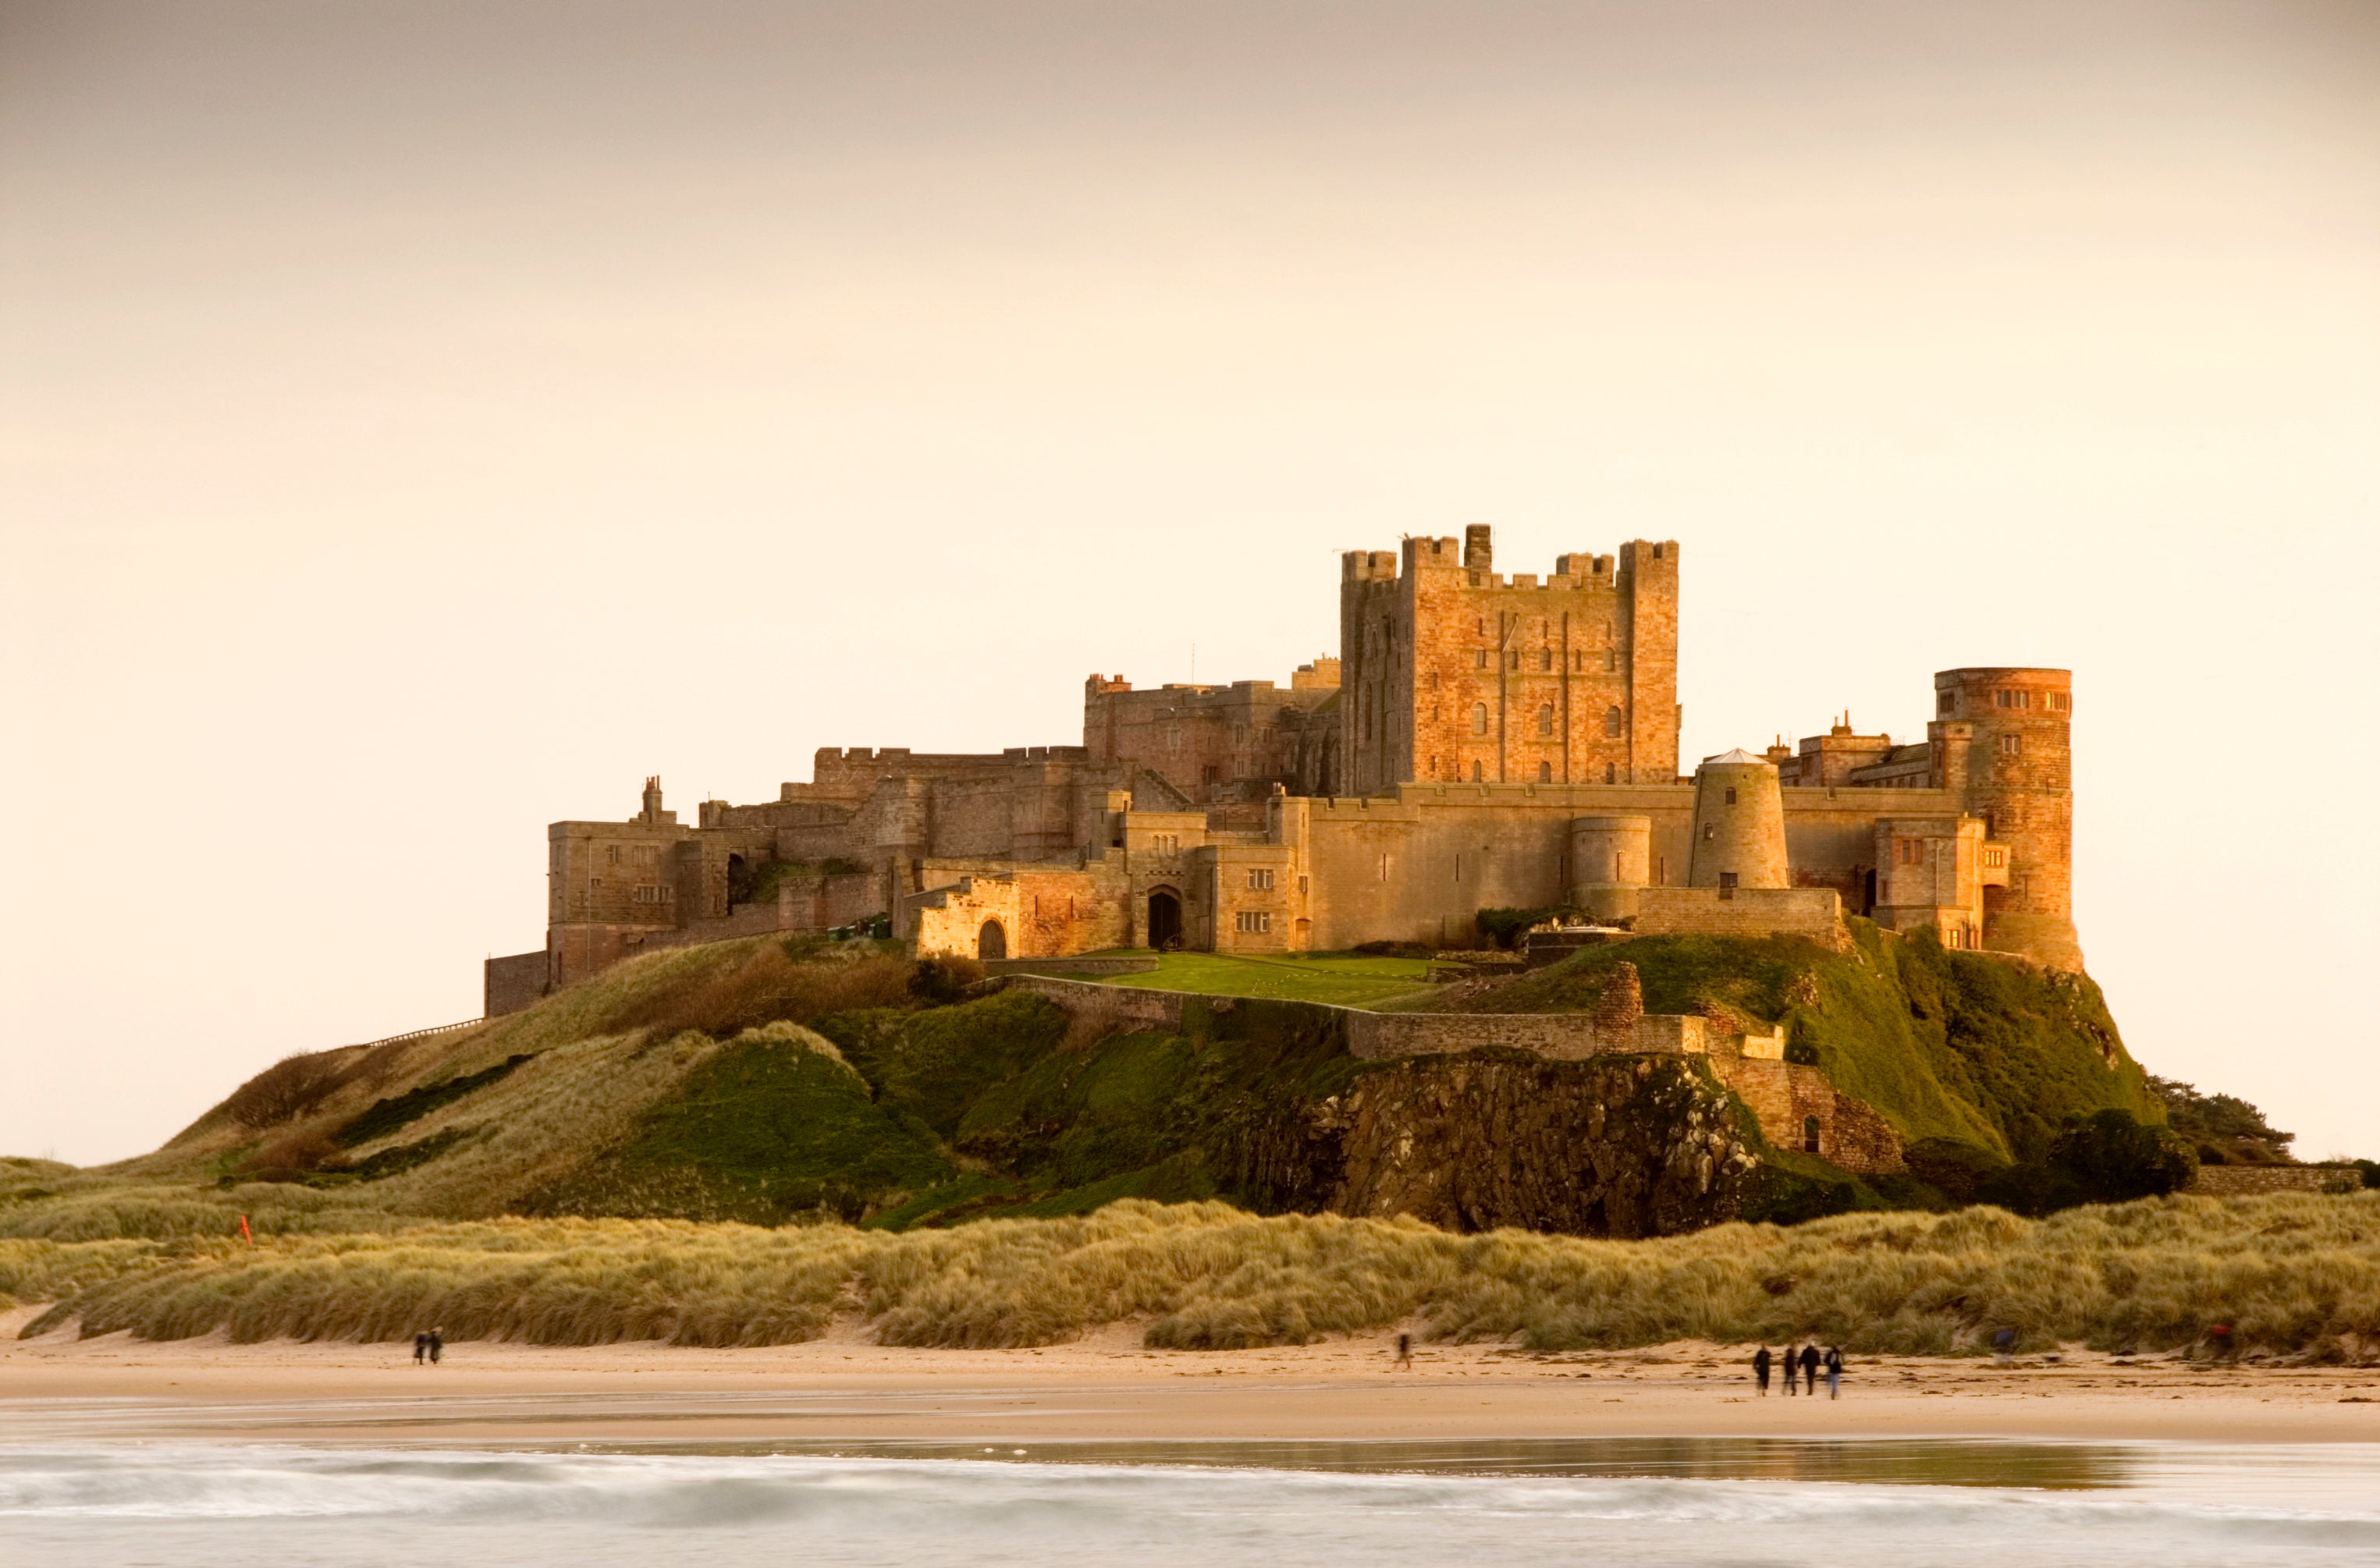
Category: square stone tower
[1449,671]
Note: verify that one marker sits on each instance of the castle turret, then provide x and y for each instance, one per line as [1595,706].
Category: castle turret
[1610,860]
[1739,824]
[2001,742]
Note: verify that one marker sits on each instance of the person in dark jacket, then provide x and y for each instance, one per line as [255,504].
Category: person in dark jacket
[1760,1370]
[1809,1369]
[1790,1352]
[420,1347]
[1834,1365]
[437,1345]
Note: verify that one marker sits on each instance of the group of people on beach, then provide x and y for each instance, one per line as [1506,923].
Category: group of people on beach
[429,1345]
[1807,1360]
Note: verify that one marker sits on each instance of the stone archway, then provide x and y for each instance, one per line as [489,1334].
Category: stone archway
[992,942]
[1164,920]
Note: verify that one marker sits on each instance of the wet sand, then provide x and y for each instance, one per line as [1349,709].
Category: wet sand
[1107,1387]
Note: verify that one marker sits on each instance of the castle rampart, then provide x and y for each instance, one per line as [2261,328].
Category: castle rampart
[1481,742]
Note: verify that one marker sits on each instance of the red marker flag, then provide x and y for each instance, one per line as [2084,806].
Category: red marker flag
[244,1234]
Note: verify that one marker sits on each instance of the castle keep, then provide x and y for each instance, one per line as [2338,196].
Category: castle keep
[1479,741]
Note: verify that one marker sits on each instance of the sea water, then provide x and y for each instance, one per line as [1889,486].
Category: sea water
[1675,1501]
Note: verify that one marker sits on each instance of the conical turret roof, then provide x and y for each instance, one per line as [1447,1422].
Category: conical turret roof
[1736,758]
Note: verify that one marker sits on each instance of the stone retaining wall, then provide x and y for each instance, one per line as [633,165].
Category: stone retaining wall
[2241,1181]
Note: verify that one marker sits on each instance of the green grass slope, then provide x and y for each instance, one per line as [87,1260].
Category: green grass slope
[764,1080]
[1946,1044]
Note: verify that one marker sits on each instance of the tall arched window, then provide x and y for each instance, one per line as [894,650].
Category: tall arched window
[1476,775]
[1479,718]
[1545,658]
[1545,773]
[1612,721]
[1545,719]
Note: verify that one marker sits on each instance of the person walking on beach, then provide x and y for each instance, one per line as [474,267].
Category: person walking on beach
[420,1347]
[1809,1367]
[2004,1347]
[1760,1370]
[437,1345]
[1834,1371]
[1404,1352]
[1790,1352]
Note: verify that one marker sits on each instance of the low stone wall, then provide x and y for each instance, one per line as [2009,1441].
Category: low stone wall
[1816,912]
[1125,1006]
[1563,1037]
[1070,966]
[2242,1181]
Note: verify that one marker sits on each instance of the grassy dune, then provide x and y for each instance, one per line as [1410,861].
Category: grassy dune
[2297,1274]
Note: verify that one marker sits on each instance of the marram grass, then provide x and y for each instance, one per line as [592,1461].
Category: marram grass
[2292,1273]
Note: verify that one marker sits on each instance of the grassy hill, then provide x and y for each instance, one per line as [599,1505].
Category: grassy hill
[1981,1050]
[763,1081]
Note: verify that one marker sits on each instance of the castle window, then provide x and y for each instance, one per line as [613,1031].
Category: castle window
[1727,881]
[1257,921]
[2057,701]
[1948,702]
[612,854]
[1545,658]
[1545,773]
[1995,859]
[1905,850]
[1516,658]
[1710,831]
[1612,773]
[1809,1134]
[1545,719]
[1479,659]
[2011,745]
[2012,699]
[1479,718]
[1614,723]
[1731,797]
[1611,658]
[1479,627]
[1476,775]
[1260,878]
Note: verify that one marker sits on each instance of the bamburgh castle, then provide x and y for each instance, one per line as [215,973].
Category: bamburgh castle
[1482,741]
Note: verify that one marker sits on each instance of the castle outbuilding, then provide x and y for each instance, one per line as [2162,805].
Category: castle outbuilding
[1479,741]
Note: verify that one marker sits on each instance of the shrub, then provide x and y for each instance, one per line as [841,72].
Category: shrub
[2112,1158]
[289,1088]
[292,1156]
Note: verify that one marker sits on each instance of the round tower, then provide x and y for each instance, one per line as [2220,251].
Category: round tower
[1739,824]
[2002,740]
[1610,858]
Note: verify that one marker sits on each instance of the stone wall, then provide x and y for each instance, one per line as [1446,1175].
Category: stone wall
[1125,1006]
[2241,1181]
[1556,1036]
[513,982]
[1785,1097]
[1815,912]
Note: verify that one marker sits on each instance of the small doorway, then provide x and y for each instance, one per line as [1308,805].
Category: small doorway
[1164,921]
[992,942]
[1809,1134]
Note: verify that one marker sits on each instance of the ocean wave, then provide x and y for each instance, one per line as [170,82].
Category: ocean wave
[927,1510]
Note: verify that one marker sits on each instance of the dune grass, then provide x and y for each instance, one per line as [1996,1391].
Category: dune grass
[2292,1273]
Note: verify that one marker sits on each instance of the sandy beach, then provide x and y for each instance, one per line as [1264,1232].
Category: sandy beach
[1109,1387]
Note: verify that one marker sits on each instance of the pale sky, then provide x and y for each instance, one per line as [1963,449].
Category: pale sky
[419,422]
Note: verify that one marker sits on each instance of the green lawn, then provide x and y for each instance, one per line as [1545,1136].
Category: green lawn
[1342,978]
